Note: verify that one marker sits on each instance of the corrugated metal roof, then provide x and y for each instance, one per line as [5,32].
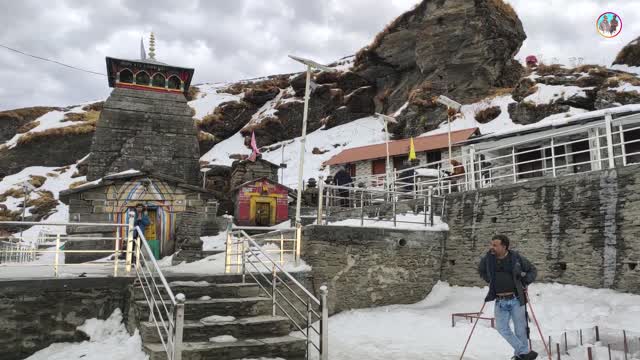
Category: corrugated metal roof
[400,147]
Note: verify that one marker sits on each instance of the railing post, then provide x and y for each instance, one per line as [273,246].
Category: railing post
[472,172]
[56,260]
[362,208]
[298,242]
[431,205]
[129,242]
[116,253]
[425,208]
[610,155]
[177,341]
[320,195]
[244,259]
[622,147]
[138,243]
[228,246]
[282,246]
[309,323]
[273,290]
[394,198]
[513,162]
[328,205]
[324,323]
[553,158]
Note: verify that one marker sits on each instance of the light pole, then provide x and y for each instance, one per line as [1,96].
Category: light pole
[310,64]
[450,104]
[387,119]
[204,171]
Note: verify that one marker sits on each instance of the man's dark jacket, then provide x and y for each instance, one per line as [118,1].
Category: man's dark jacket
[524,273]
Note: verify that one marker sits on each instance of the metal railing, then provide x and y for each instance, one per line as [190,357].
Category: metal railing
[336,202]
[596,343]
[578,149]
[285,244]
[21,253]
[307,314]
[166,310]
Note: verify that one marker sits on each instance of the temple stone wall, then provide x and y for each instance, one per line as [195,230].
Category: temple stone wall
[148,131]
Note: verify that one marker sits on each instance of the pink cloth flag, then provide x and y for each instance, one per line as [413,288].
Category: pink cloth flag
[254,147]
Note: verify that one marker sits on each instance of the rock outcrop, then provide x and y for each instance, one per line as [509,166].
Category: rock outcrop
[457,47]
[629,55]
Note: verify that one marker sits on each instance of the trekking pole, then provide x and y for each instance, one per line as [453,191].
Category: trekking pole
[533,314]
[472,329]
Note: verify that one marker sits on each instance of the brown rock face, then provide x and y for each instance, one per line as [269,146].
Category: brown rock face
[462,48]
[630,54]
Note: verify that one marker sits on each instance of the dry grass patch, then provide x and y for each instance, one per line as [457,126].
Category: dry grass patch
[281,82]
[37,180]
[554,69]
[97,106]
[628,78]
[73,130]
[43,204]
[28,126]
[205,136]
[488,114]
[90,116]
[192,93]
[12,192]
[75,184]
[505,9]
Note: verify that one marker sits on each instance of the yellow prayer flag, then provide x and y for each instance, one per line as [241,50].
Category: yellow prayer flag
[412,150]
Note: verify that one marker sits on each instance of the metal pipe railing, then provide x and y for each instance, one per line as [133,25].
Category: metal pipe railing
[288,296]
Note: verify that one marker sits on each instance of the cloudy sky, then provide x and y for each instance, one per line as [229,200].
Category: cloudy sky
[231,40]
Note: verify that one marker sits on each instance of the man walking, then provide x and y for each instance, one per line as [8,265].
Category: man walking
[508,274]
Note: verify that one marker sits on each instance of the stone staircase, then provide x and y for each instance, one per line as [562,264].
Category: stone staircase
[234,309]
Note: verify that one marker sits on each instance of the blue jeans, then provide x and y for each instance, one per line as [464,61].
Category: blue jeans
[511,310]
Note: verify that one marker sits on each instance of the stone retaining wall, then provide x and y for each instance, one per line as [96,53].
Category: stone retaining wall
[37,313]
[581,229]
[366,267]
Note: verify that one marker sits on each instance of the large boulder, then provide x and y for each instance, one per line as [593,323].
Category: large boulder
[629,55]
[463,47]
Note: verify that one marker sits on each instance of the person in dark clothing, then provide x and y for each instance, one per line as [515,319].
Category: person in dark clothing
[342,178]
[508,274]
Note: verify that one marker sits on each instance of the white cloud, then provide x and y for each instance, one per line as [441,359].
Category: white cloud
[232,40]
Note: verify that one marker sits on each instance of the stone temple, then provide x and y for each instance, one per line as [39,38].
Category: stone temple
[144,151]
[146,123]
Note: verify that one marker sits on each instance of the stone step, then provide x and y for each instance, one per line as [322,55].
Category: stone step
[242,328]
[286,347]
[194,290]
[198,309]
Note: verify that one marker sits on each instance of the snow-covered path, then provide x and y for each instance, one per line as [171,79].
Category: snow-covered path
[423,331]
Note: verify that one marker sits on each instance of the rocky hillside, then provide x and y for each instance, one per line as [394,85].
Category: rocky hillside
[460,48]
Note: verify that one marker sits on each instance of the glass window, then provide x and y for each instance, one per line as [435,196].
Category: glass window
[126,76]
[142,78]
[174,83]
[158,80]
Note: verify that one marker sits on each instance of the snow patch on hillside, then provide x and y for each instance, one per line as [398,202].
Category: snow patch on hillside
[209,97]
[546,94]
[364,131]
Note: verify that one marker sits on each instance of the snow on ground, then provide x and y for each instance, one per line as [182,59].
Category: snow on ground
[109,340]
[546,94]
[627,68]
[423,330]
[626,87]
[403,221]
[55,182]
[215,264]
[215,242]
[209,98]
[502,122]
[51,120]
[364,131]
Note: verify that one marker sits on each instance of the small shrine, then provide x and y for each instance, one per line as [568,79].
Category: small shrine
[261,202]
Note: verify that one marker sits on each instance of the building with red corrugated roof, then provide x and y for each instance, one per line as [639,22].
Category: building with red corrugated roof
[371,159]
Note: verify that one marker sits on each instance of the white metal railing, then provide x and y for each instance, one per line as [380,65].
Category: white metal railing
[308,314]
[166,310]
[285,243]
[596,146]
[22,253]
[335,201]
